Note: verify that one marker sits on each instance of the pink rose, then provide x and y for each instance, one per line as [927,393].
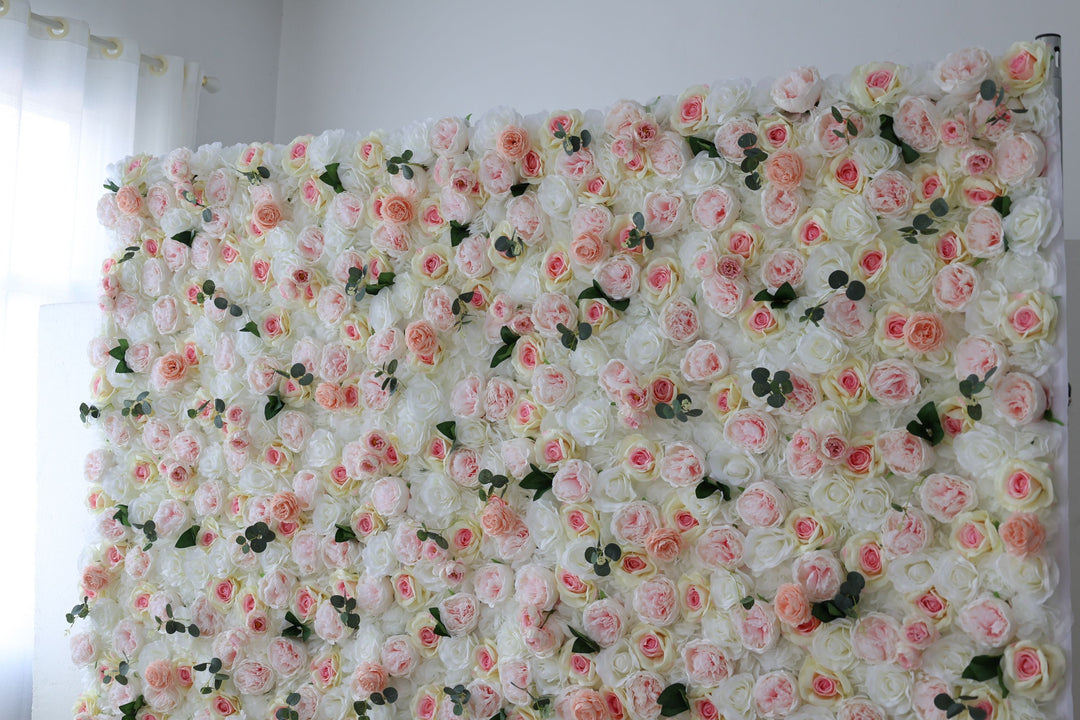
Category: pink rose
[776,694]
[668,155]
[716,208]
[460,613]
[750,430]
[780,206]
[797,91]
[721,547]
[889,194]
[1022,534]
[422,339]
[988,621]
[634,521]
[955,285]
[819,573]
[604,621]
[368,678]
[906,532]
[726,296]
[762,504]
[679,320]
[1020,157]
[704,361]
[894,382]
[984,234]
[783,266]
[252,677]
[553,386]
[618,277]
[683,465]
[448,136]
[286,656]
[876,638]
[977,355]
[664,212]
[917,122]
[963,71]
[499,398]
[573,481]
[944,497]
[727,138]
[551,310]
[706,664]
[792,605]
[535,585]
[904,453]
[1019,398]
[492,583]
[642,691]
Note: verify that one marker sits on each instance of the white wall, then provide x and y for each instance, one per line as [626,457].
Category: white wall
[234,40]
[383,63]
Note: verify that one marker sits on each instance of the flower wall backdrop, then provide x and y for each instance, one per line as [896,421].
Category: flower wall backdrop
[733,404]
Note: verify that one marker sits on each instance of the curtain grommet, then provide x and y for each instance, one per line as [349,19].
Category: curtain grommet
[58,33]
[162,66]
[5,7]
[114,52]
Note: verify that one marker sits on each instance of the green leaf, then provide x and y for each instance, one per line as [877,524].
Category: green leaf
[922,222]
[538,481]
[458,232]
[1003,204]
[110,185]
[344,533]
[639,221]
[939,207]
[519,189]
[448,429]
[747,602]
[909,153]
[987,90]
[252,328]
[121,515]
[784,296]
[406,172]
[673,700]
[665,411]
[188,538]
[330,177]
[583,644]
[982,668]
[838,279]
[274,405]
[440,629]
[221,303]
[699,145]
[747,140]
[207,214]
[837,116]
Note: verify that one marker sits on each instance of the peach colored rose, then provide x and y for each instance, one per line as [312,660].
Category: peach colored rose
[791,604]
[1022,534]
[784,169]
[924,332]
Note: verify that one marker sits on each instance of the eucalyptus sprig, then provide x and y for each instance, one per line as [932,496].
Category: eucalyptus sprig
[149,531]
[601,557]
[843,604]
[753,156]
[289,712]
[138,407]
[991,92]
[572,143]
[403,163]
[595,292]
[423,535]
[388,696]
[217,677]
[119,676]
[129,253]
[207,292]
[511,246]
[681,409]
[970,387]
[173,626]
[256,176]
[838,279]
[356,288]
[79,611]
[923,223]
[784,296]
[638,236]
[299,373]
[850,128]
[386,372]
[490,484]
[953,707]
[88,411]
[345,607]
[255,538]
[207,213]
[459,695]
[776,386]
[218,409]
[570,339]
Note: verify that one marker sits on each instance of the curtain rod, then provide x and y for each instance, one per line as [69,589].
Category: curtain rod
[157,64]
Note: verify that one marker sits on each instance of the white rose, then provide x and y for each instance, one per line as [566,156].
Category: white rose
[175,221]
[822,262]
[438,498]
[869,504]
[589,420]
[1034,577]
[587,360]
[613,664]
[768,547]
[612,490]
[912,573]
[321,450]
[980,450]
[379,555]
[831,645]
[956,578]
[645,346]
[324,148]
[740,469]
[422,398]
[457,653]
[831,494]
[910,273]
[948,657]
[735,697]
[727,99]
[700,173]
[852,221]
[876,154]
[727,588]
[889,686]
[556,196]
[544,524]
[820,349]
[1032,222]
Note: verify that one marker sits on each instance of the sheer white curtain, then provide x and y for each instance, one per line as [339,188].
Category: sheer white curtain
[68,106]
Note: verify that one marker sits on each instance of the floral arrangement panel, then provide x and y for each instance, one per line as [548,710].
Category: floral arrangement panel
[731,405]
